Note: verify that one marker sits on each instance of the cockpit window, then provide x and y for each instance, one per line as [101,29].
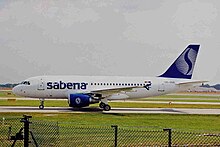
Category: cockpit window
[25,83]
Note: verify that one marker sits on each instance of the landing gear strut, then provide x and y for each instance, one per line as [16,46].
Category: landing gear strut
[104,106]
[41,106]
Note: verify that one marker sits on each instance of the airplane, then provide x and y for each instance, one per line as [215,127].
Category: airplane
[81,91]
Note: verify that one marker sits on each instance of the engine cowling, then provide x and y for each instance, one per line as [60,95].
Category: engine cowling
[80,100]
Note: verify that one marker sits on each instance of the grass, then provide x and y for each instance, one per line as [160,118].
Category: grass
[154,105]
[184,100]
[94,129]
[187,96]
[49,103]
[178,122]
[194,122]
[6,94]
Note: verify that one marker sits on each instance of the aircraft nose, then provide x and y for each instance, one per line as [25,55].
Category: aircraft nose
[15,90]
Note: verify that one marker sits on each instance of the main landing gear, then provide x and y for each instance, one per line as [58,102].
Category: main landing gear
[104,106]
[41,106]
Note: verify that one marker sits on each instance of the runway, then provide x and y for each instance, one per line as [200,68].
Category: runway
[113,111]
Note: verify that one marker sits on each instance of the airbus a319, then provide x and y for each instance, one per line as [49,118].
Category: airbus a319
[81,91]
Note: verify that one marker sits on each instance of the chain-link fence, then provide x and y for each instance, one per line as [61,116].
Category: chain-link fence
[9,130]
[76,135]
[45,133]
[13,132]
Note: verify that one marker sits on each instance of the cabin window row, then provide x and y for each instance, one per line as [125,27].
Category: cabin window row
[118,84]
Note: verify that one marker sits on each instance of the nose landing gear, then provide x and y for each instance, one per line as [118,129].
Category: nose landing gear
[41,106]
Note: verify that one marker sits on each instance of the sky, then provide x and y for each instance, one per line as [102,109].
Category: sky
[106,37]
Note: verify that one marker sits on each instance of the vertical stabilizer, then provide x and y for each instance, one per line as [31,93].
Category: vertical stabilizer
[184,64]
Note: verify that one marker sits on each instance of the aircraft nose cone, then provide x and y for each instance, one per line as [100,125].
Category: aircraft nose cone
[15,90]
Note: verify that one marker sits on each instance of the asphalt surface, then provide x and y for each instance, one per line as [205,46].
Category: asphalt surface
[114,110]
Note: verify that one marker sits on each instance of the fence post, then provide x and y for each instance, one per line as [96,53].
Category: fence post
[116,134]
[169,136]
[26,122]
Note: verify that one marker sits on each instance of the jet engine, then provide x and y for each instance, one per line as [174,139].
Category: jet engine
[81,100]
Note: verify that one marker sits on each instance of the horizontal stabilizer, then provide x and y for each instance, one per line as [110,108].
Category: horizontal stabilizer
[191,83]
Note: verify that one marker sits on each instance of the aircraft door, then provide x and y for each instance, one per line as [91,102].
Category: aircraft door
[41,85]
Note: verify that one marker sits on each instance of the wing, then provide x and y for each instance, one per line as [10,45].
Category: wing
[108,92]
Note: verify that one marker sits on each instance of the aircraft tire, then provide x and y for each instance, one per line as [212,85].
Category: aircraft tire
[107,108]
[41,107]
[102,105]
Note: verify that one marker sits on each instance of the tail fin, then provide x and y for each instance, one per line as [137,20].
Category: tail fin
[184,64]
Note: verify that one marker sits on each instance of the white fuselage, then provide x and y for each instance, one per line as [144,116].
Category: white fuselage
[59,87]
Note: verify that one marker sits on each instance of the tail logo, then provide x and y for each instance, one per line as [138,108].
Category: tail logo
[185,63]
[183,66]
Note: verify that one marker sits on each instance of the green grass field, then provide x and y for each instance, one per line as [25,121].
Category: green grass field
[188,96]
[206,123]
[94,129]
[6,94]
